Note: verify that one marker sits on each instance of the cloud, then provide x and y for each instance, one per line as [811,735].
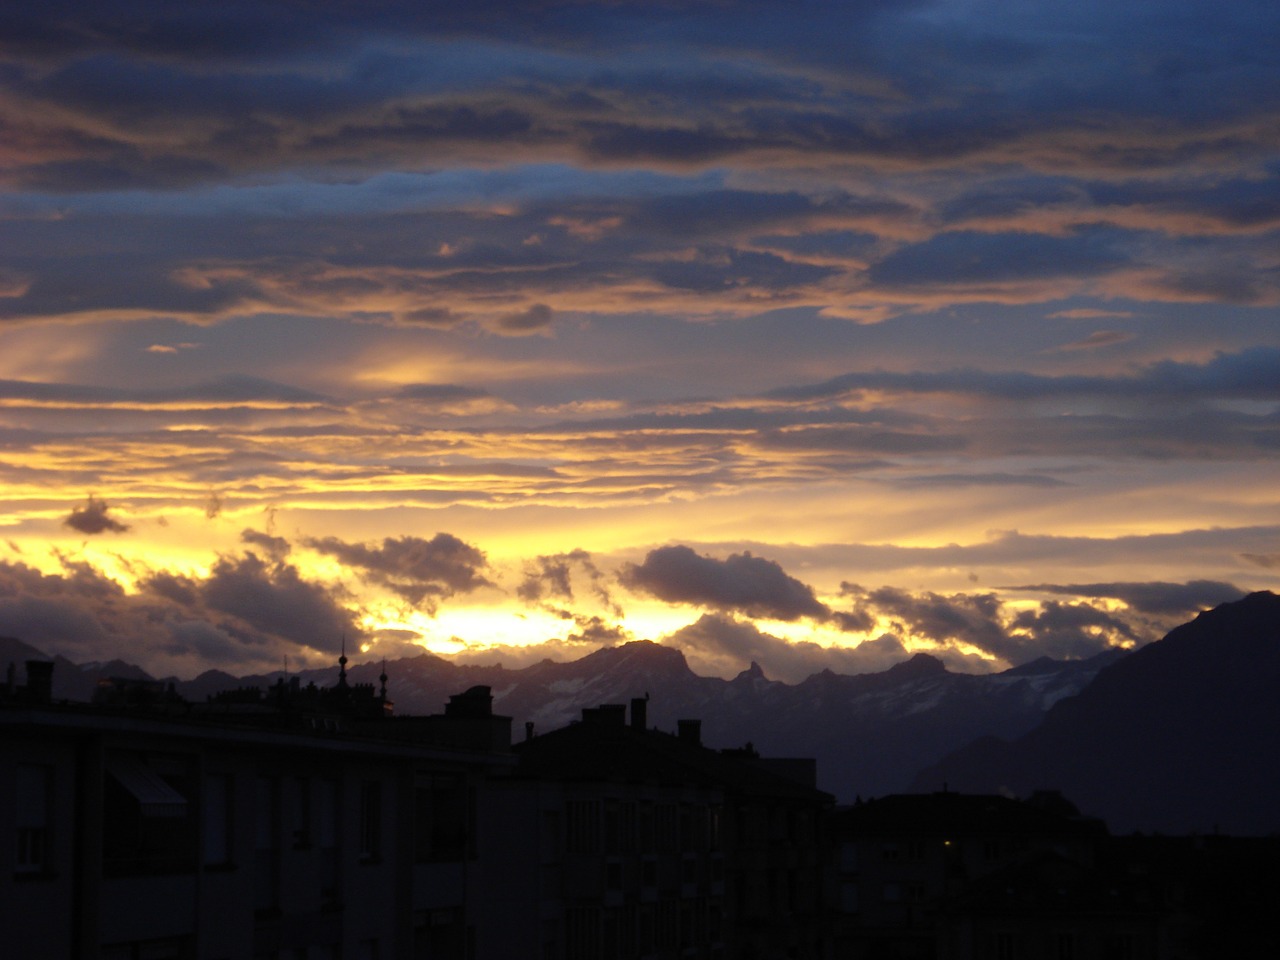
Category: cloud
[92,518]
[275,599]
[1250,373]
[750,585]
[246,615]
[718,645]
[981,621]
[1152,597]
[550,578]
[421,571]
[534,319]
[1099,339]
[277,548]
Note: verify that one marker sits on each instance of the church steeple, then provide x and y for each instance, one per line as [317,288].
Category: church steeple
[342,665]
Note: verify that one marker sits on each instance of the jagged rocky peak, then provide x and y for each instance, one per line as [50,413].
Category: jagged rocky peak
[920,665]
[753,672]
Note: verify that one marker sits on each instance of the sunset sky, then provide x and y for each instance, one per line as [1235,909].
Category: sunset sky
[807,333]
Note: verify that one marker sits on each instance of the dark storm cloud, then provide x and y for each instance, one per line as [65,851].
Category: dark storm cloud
[419,570]
[982,621]
[973,619]
[275,599]
[246,614]
[1068,631]
[751,585]
[1154,597]
[93,518]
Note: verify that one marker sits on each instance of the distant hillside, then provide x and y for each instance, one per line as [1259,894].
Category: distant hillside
[1181,736]
[71,681]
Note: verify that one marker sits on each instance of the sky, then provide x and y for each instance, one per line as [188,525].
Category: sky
[814,334]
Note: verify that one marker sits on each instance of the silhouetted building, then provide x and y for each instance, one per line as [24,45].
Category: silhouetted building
[643,844]
[902,859]
[307,823]
[282,825]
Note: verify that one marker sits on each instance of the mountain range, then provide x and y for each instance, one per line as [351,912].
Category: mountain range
[869,733]
[1182,735]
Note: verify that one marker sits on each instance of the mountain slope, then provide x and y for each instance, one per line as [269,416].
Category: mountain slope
[1181,736]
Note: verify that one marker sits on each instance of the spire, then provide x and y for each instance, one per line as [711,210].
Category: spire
[342,665]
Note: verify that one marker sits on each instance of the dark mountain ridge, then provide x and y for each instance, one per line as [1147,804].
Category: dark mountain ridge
[1181,736]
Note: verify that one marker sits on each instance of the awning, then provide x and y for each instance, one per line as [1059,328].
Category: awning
[155,796]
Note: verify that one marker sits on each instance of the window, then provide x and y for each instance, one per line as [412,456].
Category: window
[328,831]
[583,826]
[582,933]
[149,827]
[442,814]
[666,827]
[34,796]
[370,820]
[266,860]
[264,820]
[326,814]
[216,819]
[300,813]
[170,948]
[848,857]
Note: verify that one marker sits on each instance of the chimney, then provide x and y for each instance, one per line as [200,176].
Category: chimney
[607,714]
[471,704]
[40,681]
[690,731]
[640,713]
